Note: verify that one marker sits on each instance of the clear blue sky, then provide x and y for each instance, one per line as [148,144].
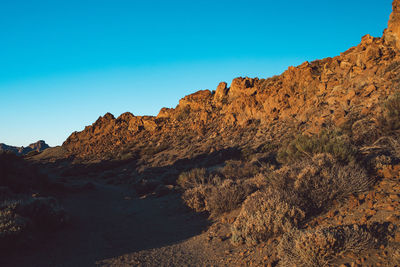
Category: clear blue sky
[65,63]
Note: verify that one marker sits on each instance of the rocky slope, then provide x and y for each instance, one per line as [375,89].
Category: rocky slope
[39,146]
[329,92]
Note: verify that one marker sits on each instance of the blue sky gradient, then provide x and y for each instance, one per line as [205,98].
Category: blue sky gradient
[65,63]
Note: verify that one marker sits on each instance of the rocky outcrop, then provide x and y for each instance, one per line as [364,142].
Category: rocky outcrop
[305,98]
[392,33]
[39,146]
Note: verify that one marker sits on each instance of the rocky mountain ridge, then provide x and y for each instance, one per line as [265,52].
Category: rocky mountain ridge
[332,91]
[38,146]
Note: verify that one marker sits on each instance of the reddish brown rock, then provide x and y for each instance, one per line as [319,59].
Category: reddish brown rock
[392,33]
[305,99]
[221,92]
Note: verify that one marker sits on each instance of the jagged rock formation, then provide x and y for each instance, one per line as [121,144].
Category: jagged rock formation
[306,98]
[39,146]
[392,33]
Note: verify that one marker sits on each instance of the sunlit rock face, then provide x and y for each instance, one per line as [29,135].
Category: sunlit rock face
[392,33]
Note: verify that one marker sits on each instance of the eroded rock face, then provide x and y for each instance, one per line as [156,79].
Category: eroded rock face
[392,33]
[305,98]
[222,91]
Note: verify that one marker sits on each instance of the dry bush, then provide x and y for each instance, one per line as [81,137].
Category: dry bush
[305,187]
[389,121]
[195,198]
[332,142]
[364,131]
[264,215]
[394,252]
[320,180]
[227,197]
[12,225]
[384,145]
[193,178]
[206,192]
[319,247]
[236,169]
[218,196]
[20,218]
[44,212]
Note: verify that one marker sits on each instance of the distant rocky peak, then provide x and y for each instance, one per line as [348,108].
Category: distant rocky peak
[38,146]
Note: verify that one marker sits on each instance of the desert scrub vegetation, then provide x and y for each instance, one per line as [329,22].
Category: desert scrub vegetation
[217,198]
[237,169]
[320,180]
[294,193]
[319,247]
[193,178]
[22,217]
[332,142]
[389,121]
[209,192]
[227,196]
[364,131]
[263,215]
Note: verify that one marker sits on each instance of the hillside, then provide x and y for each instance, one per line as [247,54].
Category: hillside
[39,146]
[300,169]
[346,89]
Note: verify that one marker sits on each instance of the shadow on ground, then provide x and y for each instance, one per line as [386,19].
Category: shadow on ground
[107,222]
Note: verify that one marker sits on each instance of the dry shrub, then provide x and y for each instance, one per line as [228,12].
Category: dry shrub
[195,198]
[332,142]
[264,215]
[364,131]
[236,169]
[12,225]
[394,252]
[319,247]
[390,119]
[384,145]
[227,197]
[320,180]
[217,197]
[20,218]
[193,178]
[45,212]
[306,187]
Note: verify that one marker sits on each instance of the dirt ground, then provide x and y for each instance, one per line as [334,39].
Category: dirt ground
[110,226]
